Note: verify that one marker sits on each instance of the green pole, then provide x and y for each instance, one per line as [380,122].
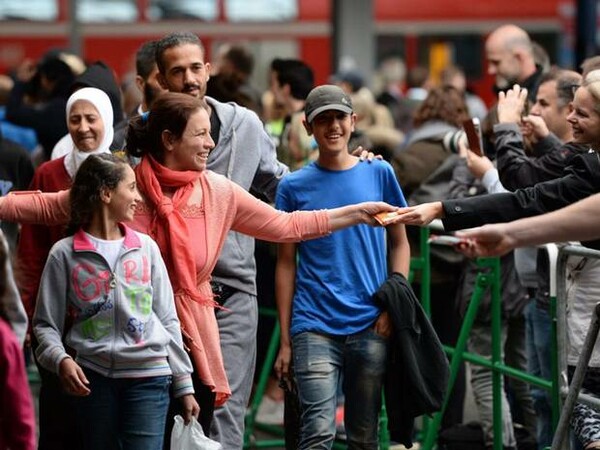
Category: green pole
[481,284]
[249,441]
[496,305]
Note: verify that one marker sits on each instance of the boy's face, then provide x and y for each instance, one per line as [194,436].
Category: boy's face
[331,129]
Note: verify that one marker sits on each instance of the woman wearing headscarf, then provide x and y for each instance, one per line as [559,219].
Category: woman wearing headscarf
[98,75]
[89,117]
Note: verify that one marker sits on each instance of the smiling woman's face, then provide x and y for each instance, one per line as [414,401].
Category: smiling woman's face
[190,151]
[85,126]
[585,119]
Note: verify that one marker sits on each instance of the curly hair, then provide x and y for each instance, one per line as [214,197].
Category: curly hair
[97,173]
[443,103]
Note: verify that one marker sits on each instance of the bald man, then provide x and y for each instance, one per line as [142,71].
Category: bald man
[510,57]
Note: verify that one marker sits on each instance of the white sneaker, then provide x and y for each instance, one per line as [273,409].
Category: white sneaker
[270,412]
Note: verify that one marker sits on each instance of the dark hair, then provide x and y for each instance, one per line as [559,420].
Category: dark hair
[241,58]
[442,103]
[295,73]
[174,40]
[565,80]
[145,59]
[98,172]
[170,111]
[55,70]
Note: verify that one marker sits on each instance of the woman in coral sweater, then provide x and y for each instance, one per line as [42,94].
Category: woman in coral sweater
[189,210]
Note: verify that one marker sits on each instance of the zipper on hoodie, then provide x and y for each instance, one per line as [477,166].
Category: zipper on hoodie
[112,283]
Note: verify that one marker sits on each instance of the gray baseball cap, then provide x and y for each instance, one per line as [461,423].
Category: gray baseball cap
[325,98]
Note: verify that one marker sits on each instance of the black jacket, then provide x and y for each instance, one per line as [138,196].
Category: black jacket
[580,180]
[418,371]
[517,170]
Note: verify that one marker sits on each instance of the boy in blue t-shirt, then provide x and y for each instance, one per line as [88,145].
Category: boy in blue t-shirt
[324,287]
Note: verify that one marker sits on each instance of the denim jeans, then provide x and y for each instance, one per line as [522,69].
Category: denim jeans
[123,413]
[539,363]
[319,362]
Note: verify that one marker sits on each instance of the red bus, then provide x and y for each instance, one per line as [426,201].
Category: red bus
[112,30]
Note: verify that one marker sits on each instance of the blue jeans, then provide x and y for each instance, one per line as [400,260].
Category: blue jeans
[539,363]
[319,363]
[123,413]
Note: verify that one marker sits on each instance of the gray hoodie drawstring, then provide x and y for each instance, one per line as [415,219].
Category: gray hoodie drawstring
[232,155]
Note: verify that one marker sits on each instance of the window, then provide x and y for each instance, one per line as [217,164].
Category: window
[235,10]
[43,10]
[261,10]
[107,10]
[206,10]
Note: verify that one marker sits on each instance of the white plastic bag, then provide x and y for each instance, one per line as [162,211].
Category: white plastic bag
[191,437]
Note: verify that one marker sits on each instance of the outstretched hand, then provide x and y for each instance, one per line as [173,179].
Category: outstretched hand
[488,240]
[369,210]
[420,215]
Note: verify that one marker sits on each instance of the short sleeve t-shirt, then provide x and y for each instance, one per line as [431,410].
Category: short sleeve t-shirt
[337,274]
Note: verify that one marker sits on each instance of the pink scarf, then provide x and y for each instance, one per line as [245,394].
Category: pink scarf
[195,310]
[168,227]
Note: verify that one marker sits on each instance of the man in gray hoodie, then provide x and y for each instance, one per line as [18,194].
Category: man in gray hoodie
[245,154]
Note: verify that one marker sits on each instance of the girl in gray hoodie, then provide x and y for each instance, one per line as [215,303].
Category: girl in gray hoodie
[106,289]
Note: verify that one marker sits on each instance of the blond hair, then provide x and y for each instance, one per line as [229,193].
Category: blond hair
[592,84]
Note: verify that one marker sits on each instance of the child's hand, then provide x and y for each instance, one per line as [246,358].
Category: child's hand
[73,378]
[190,408]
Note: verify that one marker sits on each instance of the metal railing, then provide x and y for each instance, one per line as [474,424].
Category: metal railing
[571,391]
[488,277]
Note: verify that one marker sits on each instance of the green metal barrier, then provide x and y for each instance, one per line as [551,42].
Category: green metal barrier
[489,278]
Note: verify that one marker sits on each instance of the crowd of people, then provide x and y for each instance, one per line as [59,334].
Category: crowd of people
[135,288]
